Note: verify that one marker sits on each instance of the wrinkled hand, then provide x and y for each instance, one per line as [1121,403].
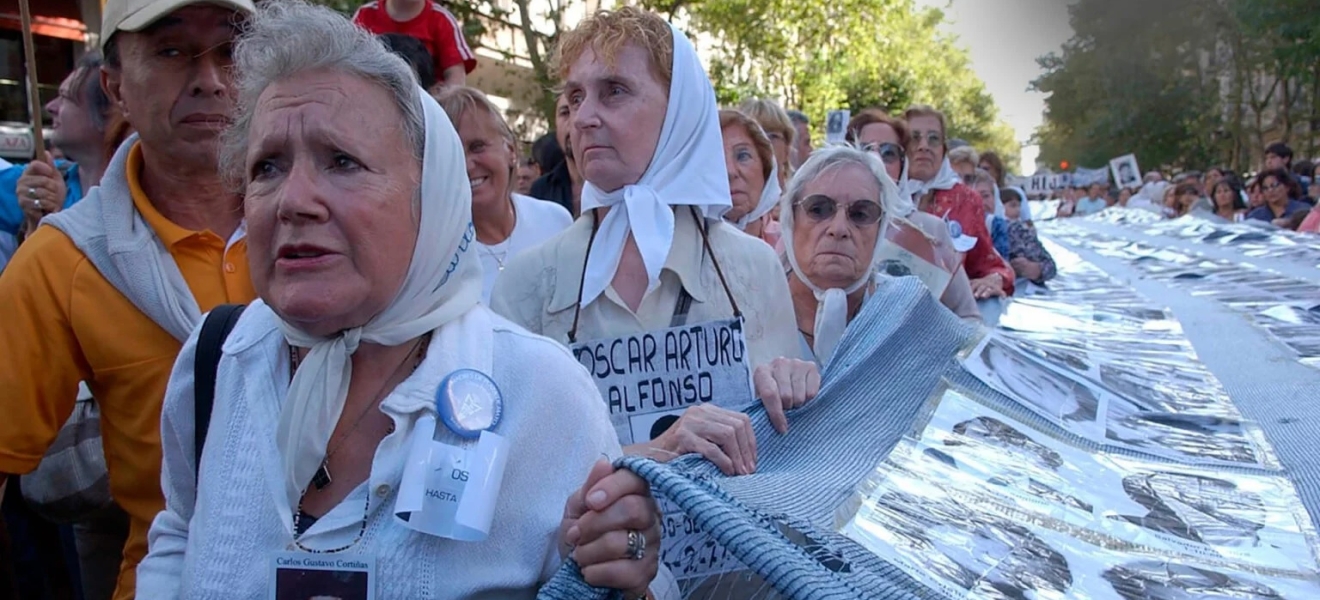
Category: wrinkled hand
[783,385]
[988,287]
[1026,269]
[723,436]
[597,519]
[40,190]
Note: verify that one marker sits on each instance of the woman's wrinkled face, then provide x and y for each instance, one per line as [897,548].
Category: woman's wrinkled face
[331,178]
[836,252]
[987,191]
[873,135]
[779,145]
[490,158]
[925,148]
[746,172]
[617,112]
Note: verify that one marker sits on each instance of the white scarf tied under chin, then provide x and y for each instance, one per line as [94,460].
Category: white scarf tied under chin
[443,283]
[944,179]
[769,200]
[686,169]
[999,211]
[832,303]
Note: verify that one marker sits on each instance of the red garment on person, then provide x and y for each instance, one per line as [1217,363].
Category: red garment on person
[436,27]
[963,204]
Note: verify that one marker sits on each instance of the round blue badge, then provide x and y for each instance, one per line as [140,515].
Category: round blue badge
[469,402]
[955,229]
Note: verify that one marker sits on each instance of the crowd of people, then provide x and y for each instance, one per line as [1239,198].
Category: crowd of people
[1284,194]
[283,243]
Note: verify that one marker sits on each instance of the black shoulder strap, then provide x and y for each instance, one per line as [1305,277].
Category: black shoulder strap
[215,329]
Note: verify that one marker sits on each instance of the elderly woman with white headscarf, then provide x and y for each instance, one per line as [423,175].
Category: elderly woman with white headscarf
[371,419]
[652,253]
[835,212]
[753,173]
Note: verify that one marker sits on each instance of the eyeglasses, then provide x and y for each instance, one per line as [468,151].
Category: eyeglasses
[890,154]
[1272,186]
[823,208]
[932,139]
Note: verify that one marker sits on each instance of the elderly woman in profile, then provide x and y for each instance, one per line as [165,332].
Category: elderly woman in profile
[652,251]
[368,350]
[753,176]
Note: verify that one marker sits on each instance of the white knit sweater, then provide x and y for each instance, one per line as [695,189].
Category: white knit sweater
[217,540]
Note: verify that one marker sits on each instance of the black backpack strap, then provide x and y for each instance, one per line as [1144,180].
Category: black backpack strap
[210,342]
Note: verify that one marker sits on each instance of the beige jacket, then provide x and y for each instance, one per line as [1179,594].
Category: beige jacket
[540,288]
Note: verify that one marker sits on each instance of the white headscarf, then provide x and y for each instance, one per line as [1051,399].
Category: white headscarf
[945,179]
[1024,214]
[769,200]
[687,169]
[832,304]
[999,210]
[443,282]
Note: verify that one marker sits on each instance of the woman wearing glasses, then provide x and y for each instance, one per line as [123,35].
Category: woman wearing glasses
[884,136]
[1282,198]
[938,190]
[835,211]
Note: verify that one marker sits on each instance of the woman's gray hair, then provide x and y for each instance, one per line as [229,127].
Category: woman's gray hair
[831,158]
[290,37]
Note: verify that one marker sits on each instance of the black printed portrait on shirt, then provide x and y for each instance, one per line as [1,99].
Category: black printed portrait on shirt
[316,584]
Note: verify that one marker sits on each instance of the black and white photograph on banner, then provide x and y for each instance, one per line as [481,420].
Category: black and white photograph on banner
[949,546]
[1037,386]
[836,126]
[1125,170]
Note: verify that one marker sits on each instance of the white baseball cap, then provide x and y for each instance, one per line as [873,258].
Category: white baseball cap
[136,15]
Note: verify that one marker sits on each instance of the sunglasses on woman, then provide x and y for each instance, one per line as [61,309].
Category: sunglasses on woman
[890,154]
[823,208]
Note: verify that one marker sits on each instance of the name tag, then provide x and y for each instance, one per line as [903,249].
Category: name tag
[303,576]
[647,380]
[450,491]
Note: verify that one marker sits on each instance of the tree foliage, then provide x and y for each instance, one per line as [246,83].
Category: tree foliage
[813,55]
[1183,83]
[820,55]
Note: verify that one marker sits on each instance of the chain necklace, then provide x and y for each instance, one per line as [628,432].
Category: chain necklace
[322,477]
[499,258]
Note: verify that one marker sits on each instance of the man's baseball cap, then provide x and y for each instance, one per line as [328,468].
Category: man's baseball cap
[136,15]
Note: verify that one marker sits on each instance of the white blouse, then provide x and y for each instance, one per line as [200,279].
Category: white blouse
[218,539]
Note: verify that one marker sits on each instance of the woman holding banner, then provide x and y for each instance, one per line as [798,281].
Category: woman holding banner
[651,268]
[367,393]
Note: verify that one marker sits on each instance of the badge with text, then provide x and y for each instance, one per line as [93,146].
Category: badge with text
[647,380]
[450,489]
[303,576]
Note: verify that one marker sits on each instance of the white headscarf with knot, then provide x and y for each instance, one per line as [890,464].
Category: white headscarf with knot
[944,179]
[832,303]
[443,283]
[686,169]
[769,200]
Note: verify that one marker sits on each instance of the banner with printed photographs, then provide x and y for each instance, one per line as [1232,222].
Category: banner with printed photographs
[979,504]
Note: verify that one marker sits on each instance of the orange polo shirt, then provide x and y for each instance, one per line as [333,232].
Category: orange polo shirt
[65,323]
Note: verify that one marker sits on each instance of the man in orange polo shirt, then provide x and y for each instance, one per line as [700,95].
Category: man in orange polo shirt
[106,292]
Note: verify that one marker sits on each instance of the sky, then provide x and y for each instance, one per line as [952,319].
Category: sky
[1004,38]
